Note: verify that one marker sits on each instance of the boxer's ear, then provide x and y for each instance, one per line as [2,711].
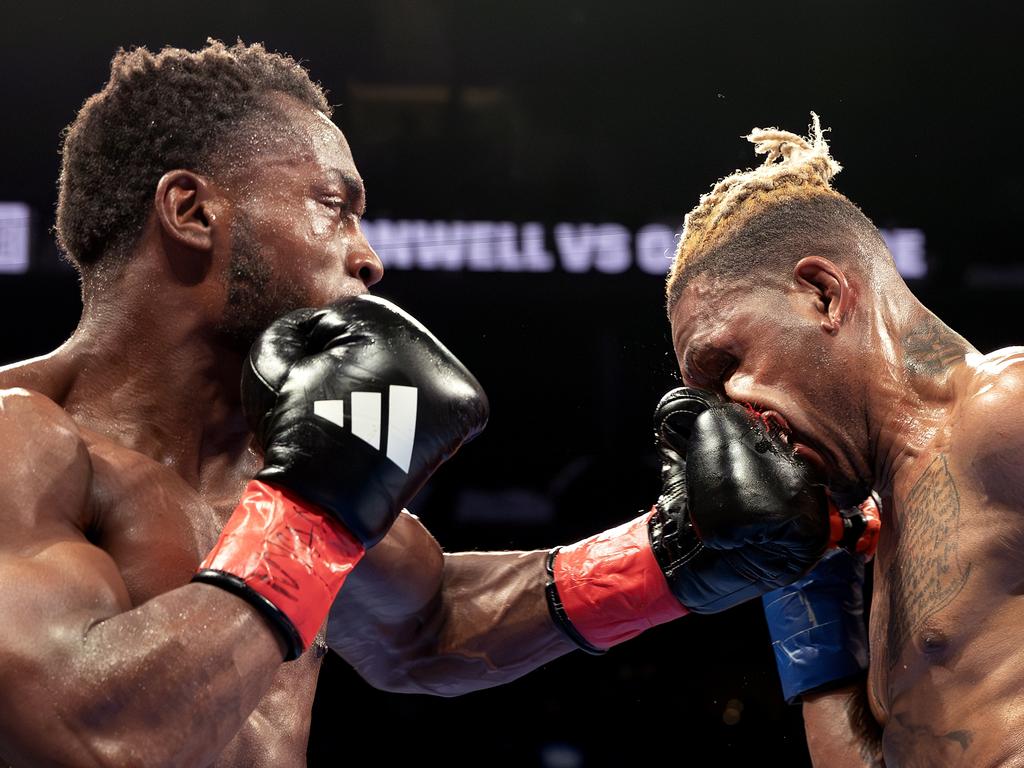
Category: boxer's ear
[830,290]
[181,202]
[184,204]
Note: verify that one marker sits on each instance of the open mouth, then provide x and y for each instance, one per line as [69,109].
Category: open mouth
[779,427]
[773,421]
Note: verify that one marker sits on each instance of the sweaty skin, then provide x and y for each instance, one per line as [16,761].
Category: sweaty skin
[125,451]
[888,395]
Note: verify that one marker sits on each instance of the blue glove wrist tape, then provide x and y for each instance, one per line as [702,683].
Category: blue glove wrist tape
[817,625]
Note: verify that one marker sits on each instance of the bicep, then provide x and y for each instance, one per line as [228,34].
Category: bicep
[50,600]
[56,594]
[388,599]
[47,565]
[56,584]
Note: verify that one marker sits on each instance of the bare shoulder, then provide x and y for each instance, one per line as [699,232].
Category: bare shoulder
[995,389]
[47,468]
[30,422]
[989,425]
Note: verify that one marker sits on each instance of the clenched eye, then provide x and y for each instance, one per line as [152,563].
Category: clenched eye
[710,367]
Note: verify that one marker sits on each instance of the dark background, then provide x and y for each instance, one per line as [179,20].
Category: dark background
[583,110]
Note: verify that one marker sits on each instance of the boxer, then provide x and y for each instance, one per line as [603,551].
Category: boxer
[783,295]
[174,545]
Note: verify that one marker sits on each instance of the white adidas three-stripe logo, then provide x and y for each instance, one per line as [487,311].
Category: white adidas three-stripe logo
[366,420]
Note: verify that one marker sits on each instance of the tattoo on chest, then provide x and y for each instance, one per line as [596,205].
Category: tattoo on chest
[919,745]
[926,573]
[930,348]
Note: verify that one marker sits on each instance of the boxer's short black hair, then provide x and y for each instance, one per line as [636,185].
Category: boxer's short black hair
[158,112]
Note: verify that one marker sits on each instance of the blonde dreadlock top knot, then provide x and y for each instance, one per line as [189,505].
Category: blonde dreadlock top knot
[782,147]
[794,166]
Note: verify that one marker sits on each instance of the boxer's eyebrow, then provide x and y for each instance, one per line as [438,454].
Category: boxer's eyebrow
[355,191]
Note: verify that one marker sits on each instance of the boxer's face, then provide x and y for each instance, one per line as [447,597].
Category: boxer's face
[765,346]
[295,234]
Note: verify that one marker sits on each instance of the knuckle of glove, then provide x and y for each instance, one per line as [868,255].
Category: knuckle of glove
[746,486]
[396,349]
[675,414]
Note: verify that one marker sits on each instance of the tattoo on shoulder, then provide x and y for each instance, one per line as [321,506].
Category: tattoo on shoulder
[926,573]
[931,347]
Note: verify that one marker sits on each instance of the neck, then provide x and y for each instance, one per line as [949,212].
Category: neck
[151,374]
[914,383]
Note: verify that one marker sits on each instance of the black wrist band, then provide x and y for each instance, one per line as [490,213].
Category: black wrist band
[557,610]
[854,525]
[273,614]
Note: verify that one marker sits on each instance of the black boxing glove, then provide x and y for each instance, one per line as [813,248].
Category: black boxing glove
[726,475]
[354,405]
[739,513]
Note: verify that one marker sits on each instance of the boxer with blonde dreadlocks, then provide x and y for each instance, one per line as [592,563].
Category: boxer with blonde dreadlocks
[784,296]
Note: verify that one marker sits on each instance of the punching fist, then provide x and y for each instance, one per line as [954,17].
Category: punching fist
[739,513]
[355,405]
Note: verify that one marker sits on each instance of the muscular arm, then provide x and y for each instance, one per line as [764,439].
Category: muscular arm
[413,620]
[841,732]
[85,677]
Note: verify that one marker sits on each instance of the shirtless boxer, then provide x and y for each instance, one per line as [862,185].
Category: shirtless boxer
[783,295]
[168,542]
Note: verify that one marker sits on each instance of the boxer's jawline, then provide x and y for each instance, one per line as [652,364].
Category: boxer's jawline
[926,574]
[931,348]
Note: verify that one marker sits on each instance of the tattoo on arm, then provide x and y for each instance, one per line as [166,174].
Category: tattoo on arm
[931,348]
[926,573]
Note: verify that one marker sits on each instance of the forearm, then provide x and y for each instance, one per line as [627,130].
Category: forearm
[493,624]
[167,683]
[482,620]
[841,731]
[411,619]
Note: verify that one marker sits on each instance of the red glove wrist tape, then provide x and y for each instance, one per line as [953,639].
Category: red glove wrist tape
[867,539]
[288,552]
[611,586]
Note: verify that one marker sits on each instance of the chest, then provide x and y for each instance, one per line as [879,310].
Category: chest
[154,525]
[925,563]
[944,568]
